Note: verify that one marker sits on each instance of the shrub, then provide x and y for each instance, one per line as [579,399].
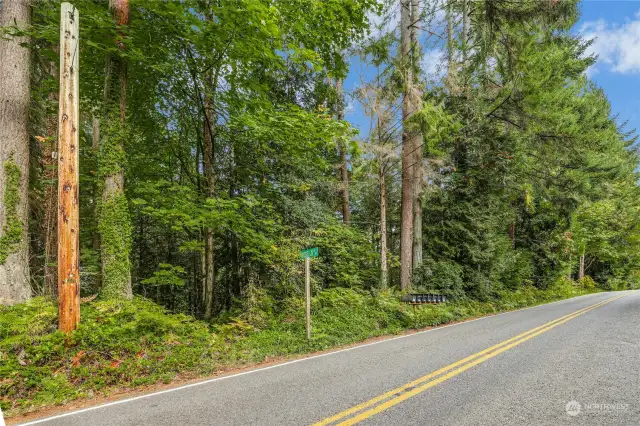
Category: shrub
[442,277]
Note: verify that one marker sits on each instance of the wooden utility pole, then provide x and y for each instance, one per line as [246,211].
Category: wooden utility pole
[68,172]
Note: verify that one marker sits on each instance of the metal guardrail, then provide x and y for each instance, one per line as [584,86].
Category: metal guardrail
[423,298]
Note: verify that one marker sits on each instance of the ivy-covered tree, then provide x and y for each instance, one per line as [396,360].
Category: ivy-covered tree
[15,68]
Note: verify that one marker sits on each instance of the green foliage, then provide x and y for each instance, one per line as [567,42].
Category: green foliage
[437,127]
[526,170]
[114,225]
[12,229]
[167,275]
[128,344]
[346,256]
[441,277]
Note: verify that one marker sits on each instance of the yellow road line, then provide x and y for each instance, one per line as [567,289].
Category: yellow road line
[416,391]
[531,333]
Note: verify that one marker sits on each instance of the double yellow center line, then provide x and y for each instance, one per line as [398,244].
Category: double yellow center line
[380,403]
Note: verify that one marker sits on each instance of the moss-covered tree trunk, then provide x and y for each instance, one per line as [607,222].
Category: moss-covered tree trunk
[114,222]
[14,155]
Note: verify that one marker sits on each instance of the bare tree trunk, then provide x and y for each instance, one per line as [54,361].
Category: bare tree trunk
[236,287]
[95,147]
[581,270]
[14,155]
[416,105]
[384,271]
[344,171]
[406,228]
[49,166]
[209,171]
[466,40]
[466,25]
[452,71]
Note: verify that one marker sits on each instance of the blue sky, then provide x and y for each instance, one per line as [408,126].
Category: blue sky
[615,26]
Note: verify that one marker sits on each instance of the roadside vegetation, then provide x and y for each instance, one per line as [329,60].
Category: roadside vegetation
[125,345]
[455,147]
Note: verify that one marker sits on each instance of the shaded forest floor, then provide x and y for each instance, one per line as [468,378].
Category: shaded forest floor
[132,345]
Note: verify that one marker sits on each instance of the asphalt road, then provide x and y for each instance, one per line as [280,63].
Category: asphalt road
[581,369]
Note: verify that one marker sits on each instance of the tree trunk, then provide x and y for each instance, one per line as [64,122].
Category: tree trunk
[466,39]
[581,270]
[14,155]
[115,223]
[95,147]
[466,25]
[418,169]
[209,171]
[384,271]
[49,167]
[512,234]
[236,286]
[452,71]
[406,229]
[344,171]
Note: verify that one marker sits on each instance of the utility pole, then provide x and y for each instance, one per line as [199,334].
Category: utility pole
[68,172]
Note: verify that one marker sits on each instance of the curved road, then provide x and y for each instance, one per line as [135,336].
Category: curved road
[570,362]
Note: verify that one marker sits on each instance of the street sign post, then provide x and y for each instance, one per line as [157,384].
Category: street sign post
[307,254]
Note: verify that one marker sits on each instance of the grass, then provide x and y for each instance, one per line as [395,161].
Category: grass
[132,344]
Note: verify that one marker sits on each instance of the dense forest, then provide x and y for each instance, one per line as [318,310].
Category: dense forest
[214,147]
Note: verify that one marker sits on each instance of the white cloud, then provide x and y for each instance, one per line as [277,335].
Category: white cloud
[433,63]
[432,13]
[617,45]
[350,106]
[385,22]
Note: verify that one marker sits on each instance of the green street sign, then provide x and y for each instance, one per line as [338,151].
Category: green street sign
[310,252]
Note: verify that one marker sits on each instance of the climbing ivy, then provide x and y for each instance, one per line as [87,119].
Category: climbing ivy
[114,226]
[112,156]
[114,221]
[12,230]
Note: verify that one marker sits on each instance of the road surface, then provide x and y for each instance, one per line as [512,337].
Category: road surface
[571,362]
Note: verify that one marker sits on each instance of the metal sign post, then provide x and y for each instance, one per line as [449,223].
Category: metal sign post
[307,254]
[307,271]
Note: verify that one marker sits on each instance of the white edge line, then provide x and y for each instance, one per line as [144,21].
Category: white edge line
[216,379]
